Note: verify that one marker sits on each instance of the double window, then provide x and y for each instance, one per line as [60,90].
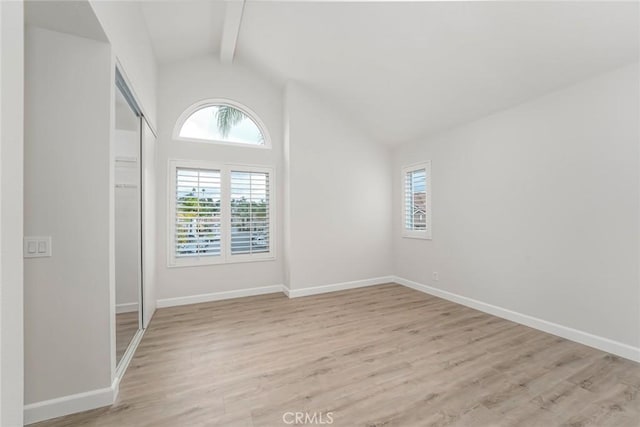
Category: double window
[416,201]
[219,213]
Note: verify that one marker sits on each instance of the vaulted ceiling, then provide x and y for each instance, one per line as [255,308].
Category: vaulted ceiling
[402,70]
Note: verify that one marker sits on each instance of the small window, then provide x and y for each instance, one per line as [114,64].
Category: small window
[219,213]
[221,122]
[416,201]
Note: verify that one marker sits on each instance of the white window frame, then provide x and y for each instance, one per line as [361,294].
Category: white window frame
[221,101]
[417,234]
[226,257]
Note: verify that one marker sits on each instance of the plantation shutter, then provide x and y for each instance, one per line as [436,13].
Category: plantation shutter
[415,200]
[197,213]
[250,210]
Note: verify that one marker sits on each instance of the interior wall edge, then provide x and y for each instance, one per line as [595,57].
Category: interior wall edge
[218,296]
[53,408]
[334,287]
[581,337]
[489,248]
[272,289]
[11,212]
[65,405]
[85,401]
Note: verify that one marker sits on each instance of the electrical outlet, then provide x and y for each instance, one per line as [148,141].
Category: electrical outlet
[436,276]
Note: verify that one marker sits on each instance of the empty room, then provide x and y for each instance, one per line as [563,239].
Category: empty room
[261,213]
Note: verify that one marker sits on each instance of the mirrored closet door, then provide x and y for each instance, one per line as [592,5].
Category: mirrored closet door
[128,226]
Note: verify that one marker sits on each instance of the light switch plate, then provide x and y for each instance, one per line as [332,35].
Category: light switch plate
[37,246]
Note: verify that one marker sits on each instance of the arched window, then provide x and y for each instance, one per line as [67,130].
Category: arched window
[221,121]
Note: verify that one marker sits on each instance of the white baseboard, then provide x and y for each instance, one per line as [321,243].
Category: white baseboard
[48,409]
[217,296]
[71,404]
[127,307]
[53,408]
[601,343]
[286,291]
[315,290]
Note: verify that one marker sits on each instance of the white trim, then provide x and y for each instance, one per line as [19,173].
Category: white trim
[80,402]
[291,293]
[218,296]
[323,289]
[417,234]
[220,142]
[601,343]
[127,307]
[53,408]
[221,101]
[286,290]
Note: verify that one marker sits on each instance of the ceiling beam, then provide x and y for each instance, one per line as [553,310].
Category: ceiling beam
[232,20]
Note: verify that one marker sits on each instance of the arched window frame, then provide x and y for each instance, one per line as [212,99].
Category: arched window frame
[222,101]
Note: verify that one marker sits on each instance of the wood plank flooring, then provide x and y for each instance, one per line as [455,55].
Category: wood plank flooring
[377,356]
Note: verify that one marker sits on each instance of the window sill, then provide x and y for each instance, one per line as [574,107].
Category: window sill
[264,146]
[243,260]
[417,236]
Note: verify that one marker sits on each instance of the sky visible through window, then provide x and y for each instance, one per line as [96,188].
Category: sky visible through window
[419,181]
[204,124]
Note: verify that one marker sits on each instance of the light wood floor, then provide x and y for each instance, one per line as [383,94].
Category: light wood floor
[378,356]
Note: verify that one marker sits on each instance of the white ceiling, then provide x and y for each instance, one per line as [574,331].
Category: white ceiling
[401,70]
[182,29]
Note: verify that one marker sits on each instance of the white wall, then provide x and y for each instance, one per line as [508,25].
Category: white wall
[71,297]
[338,196]
[68,97]
[535,209]
[124,25]
[11,170]
[325,159]
[181,85]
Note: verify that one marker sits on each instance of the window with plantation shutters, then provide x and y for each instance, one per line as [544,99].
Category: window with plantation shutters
[416,201]
[197,213]
[220,213]
[249,212]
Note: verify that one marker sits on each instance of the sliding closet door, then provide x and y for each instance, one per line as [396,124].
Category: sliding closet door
[149,160]
[128,232]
